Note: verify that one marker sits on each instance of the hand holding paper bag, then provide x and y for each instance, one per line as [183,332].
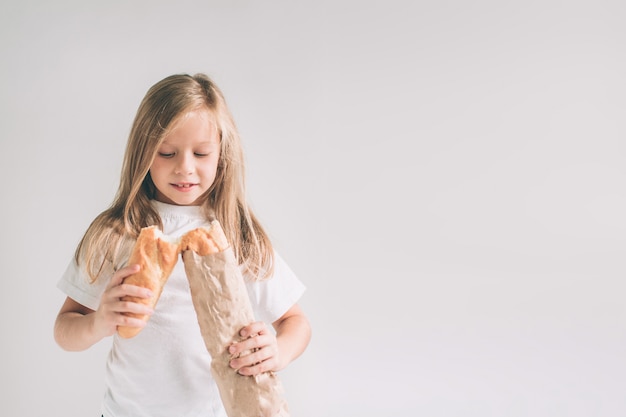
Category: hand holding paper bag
[223,308]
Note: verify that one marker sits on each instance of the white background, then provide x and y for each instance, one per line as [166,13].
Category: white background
[447,178]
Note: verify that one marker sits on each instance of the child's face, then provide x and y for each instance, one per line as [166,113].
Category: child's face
[185,165]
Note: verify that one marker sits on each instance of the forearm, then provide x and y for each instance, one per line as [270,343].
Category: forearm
[74,331]
[292,336]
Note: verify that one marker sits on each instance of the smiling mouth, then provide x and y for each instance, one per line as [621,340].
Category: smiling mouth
[184,185]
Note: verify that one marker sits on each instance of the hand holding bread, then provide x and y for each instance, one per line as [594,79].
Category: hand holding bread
[156,256]
[113,312]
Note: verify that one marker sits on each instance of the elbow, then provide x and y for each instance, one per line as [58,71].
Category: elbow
[308,331]
[57,334]
[61,337]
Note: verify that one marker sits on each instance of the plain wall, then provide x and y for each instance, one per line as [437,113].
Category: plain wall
[447,178]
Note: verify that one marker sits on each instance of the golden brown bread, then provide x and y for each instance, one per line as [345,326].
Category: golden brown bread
[156,256]
[204,240]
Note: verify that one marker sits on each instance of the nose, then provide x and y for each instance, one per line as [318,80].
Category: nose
[184,164]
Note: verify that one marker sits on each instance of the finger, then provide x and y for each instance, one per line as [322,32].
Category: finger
[258,327]
[129,321]
[122,274]
[131,307]
[115,313]
[128,290]
[252,343]
[250,359]
[245,354]
[255,369]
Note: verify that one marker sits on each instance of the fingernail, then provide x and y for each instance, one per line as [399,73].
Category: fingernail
[243,333]
[232,349]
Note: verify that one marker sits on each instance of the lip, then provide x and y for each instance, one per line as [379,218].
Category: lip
[184,187]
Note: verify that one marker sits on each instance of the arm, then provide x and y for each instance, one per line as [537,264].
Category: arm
[78,327]
[293,333]
[269,352]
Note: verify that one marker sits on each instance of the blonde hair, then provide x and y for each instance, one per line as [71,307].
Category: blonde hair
[131,209]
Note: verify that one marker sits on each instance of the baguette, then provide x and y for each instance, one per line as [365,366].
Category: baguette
[157,255]
[223,308]
[205,240]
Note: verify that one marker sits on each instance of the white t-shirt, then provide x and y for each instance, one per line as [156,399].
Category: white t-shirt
[165,369]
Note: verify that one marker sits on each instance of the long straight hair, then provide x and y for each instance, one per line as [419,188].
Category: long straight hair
[131,209]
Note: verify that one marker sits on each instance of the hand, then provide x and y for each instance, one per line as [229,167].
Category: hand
[111,312]
[257,353]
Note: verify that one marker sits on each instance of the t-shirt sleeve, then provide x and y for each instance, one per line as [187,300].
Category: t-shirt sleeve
[272,297]
[75,284]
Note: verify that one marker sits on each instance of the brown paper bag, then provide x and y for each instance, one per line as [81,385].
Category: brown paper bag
[223,308]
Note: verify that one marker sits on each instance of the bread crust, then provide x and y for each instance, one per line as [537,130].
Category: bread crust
[156,256]
[205,240]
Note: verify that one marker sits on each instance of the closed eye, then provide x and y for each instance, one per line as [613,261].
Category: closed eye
[166,155]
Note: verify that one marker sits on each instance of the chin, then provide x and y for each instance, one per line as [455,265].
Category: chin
[191,202]
[182,199]
[187,203]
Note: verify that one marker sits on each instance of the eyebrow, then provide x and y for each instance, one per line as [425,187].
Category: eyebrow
[215,141]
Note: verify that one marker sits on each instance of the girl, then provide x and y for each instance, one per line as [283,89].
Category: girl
[183,165]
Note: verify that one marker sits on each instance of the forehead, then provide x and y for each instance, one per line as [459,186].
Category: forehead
[196,125]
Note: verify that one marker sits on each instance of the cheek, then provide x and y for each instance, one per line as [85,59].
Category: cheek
[156,169]
[210,168]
